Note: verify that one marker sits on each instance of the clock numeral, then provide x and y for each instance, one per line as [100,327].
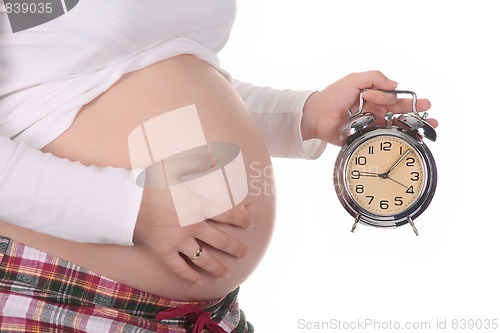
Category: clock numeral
[409,190]
[360,188]
[415,176]
[370,150]
[410,161]
[360,160]
[384,204]
[355,174]
[371,197]
[385,146]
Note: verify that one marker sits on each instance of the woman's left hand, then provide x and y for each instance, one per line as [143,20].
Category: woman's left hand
[326,111]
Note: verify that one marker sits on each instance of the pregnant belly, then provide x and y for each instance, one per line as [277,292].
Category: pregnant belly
[99,136]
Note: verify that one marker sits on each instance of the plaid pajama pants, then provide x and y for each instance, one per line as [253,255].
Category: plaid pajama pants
[43,293]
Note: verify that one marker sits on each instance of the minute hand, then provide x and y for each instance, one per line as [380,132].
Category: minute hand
[397,163]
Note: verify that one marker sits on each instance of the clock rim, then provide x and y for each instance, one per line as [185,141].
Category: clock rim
[393,220]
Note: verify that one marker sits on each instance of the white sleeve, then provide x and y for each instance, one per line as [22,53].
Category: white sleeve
[278,114]
[66,199]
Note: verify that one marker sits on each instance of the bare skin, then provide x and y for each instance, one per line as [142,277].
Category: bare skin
[99,136]
[326,111]
[233,248]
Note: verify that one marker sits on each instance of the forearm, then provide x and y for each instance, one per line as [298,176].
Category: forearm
[66,199]
[279,115]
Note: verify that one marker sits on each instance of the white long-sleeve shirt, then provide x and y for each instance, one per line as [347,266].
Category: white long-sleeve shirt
[48,72]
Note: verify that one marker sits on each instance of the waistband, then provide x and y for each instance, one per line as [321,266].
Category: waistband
[46,285]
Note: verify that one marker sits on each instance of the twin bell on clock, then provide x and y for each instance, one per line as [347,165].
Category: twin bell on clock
[385,176]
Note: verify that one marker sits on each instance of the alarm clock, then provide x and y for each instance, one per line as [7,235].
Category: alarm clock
[385,176]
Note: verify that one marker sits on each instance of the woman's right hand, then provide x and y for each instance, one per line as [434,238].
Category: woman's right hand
[158,230]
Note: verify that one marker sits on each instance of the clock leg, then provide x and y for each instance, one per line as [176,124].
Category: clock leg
[410,220]
[355,222]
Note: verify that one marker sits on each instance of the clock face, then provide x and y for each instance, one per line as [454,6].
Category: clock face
[385,175]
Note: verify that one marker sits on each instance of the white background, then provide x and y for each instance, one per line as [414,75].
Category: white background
[315,268]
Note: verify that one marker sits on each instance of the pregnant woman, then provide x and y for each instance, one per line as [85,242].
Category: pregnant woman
[82,246]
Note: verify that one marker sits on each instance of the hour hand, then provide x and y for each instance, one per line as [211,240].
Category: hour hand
[370,174]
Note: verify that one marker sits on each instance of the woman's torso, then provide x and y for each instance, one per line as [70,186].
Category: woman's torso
[99,136]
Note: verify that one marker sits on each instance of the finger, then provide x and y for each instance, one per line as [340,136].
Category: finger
[241,216]
[186,164]
[198,163]
[370,79]
[179,266]
[433,122]
[207,262]
[218,239]
[405,105]
[380,97]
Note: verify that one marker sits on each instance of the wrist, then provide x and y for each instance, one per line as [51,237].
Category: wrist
[308,121]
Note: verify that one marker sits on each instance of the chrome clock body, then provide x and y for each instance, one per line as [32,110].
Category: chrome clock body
[386,176]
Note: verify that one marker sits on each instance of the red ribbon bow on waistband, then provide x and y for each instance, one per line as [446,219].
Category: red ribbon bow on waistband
[201,318]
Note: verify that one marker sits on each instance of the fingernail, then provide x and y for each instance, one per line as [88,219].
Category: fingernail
[213,161]
[251,221]
[225,275]
[244,254]
[251,209]
[199,283]
[249,206]
[394,83]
